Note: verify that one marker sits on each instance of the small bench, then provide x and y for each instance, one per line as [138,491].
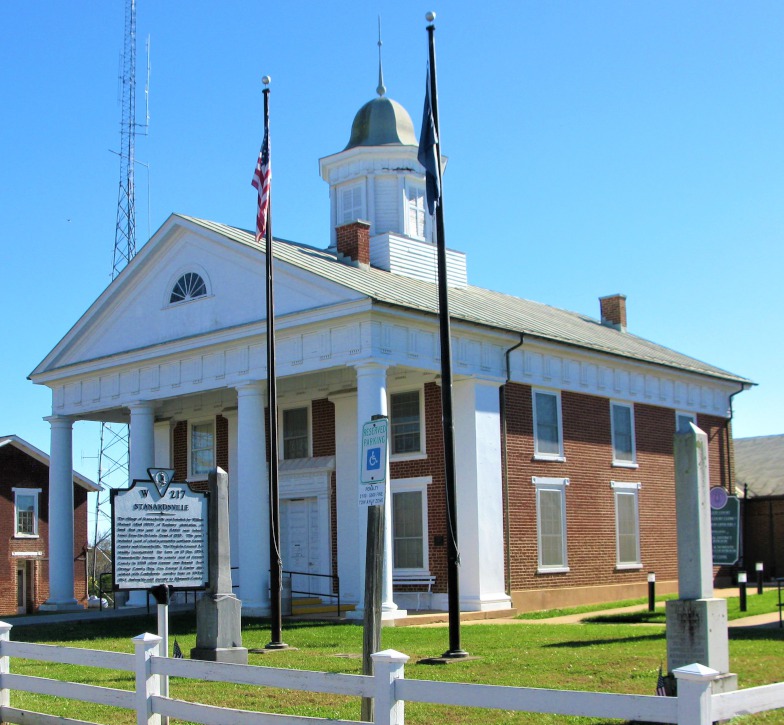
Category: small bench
[414,580]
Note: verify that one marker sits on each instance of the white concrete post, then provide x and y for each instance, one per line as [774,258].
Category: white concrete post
[694,693]
[388,667]
[147,684]
[5,665]
[253,500]
[61,516]
[372,400]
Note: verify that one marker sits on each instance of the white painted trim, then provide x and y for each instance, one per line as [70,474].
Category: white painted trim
[308,406]
[621,488]
[409,455]
[414,485]
[200,421]
[557,485]
[620,461]
[35,493]
[543,455]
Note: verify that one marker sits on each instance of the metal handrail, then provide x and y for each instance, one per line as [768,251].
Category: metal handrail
[102,591]
[334,577]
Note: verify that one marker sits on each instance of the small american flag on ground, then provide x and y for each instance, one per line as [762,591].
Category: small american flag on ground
[177,650]
[661,688]
[261,181]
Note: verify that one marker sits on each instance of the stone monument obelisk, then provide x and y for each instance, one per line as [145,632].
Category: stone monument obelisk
[218,612]
[696,621]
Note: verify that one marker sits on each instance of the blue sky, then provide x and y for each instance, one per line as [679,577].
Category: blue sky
[594,148]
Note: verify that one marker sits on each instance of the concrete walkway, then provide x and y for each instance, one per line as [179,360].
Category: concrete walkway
[424,619]
[769,620]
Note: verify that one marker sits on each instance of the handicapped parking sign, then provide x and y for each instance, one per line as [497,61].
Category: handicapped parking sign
[373,462]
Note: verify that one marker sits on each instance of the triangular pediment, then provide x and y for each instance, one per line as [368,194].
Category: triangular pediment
[135,313]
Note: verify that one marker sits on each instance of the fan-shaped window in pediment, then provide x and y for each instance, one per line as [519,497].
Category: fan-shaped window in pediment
[188,287]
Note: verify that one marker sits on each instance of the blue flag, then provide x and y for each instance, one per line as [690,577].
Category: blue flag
[427,154]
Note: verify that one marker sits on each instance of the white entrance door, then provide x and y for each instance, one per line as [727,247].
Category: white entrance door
[300,551]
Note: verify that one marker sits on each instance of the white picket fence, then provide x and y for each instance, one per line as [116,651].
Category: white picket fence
[695,705]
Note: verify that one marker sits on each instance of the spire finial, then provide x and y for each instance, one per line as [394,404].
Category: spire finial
[381,90]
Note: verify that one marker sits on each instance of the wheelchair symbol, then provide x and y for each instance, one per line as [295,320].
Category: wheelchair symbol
[374,459]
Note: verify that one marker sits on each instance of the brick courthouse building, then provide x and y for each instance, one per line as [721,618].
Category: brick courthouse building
[24,528]
[563,423]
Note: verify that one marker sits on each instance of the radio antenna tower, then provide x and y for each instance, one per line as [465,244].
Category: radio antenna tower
[113,459]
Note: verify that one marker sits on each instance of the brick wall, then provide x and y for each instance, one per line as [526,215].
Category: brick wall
[590,504]
[19,470]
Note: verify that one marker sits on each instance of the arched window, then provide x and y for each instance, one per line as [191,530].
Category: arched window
[188,287]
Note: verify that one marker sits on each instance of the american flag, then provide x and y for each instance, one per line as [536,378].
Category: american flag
[261,181]
[177,650]
[661,688]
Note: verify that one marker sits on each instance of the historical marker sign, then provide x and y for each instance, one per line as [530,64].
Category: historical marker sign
[373,463]
[725,526]
[160,534]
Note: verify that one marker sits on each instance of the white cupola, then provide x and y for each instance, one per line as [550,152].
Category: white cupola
[377,179]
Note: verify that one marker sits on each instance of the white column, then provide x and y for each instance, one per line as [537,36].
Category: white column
[372,400]
[142,453]
[231,417]
[61,517]
[253,501]
[346,480]
[480,514]
[162,457]
[141,457]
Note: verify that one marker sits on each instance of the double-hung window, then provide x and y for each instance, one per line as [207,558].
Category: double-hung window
[682,421]
[627,524]
[405,423]
[26,511]
[548,434]
[296,439]
[202,449]
[623,445]
[551,524]
[409,524]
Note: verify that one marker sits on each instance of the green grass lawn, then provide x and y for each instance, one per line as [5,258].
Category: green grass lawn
[755,604]
[603,657]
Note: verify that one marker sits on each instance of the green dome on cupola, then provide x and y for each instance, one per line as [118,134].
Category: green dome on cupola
[380,122]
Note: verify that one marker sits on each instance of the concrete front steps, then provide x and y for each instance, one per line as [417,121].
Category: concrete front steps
[317,608]
[305,606]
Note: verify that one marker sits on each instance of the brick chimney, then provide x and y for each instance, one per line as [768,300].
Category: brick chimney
[353,242]
[613,309]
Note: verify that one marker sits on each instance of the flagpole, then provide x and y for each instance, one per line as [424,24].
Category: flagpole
[453,554]
[276,565]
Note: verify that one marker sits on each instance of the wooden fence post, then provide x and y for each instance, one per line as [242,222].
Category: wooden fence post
[5,665]
[147,684]
[694,693]
[388,666]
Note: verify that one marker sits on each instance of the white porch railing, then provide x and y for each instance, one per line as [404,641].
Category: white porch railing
[695,705]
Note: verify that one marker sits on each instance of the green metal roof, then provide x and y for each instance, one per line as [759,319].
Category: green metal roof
[476,305]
